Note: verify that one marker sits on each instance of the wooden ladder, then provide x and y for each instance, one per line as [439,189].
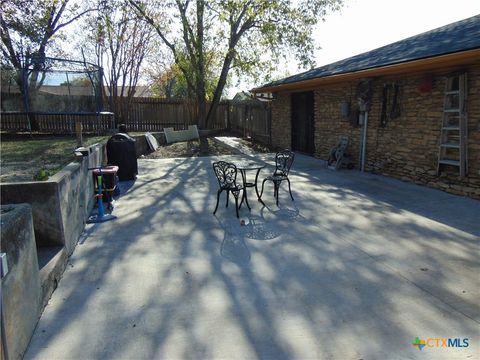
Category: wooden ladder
[453,139]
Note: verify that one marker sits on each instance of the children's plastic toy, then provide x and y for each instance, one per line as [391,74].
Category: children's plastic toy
[105,184]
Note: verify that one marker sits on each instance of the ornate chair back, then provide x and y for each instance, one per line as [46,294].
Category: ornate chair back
[226,174]
[283,162]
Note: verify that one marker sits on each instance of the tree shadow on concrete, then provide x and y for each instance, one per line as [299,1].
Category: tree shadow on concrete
[327,274]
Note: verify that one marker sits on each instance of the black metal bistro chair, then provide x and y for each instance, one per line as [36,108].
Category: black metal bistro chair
[226,174]
[283,163]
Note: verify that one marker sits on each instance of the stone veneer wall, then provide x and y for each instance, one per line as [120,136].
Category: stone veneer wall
[407,148]
[281,121]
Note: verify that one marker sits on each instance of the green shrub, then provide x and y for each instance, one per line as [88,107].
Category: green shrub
[42,175]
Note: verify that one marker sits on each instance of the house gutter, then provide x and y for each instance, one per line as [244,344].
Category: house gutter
[427,64]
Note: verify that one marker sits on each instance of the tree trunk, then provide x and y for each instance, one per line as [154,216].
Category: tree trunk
[200,76]
[202,110]
[218,90]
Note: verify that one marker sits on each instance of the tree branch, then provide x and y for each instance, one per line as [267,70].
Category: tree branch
[188,36]
[68,22]
[7,42]
[139,8]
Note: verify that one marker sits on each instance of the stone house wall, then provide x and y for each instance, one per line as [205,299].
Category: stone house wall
[407,147]
[281,121]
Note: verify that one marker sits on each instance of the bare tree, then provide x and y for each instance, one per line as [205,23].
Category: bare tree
[121,43]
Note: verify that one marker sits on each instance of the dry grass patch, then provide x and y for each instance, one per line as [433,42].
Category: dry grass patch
[26,159]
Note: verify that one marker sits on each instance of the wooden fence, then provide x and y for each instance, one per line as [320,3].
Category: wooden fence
[152,114]
[56,123]
[248,118]
[251,119]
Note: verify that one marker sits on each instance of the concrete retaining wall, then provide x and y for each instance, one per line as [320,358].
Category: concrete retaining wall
[21,289]
[43,198]
[66,198]
[76,195]
[181,135]
[141,145]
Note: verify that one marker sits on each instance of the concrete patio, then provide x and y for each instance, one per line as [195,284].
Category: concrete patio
[356,267]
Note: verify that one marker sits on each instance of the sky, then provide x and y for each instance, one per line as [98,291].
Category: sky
[363,25]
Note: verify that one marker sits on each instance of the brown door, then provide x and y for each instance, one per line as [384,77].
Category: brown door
[303,122]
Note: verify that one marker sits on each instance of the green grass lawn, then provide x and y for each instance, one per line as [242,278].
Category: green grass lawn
[23,159]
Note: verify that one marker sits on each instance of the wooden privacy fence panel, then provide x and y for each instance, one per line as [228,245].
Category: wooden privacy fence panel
[96,123]
[251,119]
[220,117]
[151,114]
[56,123]
[14,121]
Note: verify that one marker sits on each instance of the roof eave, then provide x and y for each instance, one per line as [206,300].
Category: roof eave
[427,64]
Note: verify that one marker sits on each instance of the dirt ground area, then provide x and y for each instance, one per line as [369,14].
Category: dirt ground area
[202,147]
[192,148]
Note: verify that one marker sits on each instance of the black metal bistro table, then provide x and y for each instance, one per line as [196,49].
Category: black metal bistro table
[248,165]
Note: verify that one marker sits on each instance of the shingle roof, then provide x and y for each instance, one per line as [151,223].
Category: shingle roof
[459,36]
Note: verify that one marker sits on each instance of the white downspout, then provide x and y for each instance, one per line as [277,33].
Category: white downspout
[364,141]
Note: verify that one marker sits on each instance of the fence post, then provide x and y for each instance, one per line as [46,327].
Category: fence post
[228,115]
[78,131]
